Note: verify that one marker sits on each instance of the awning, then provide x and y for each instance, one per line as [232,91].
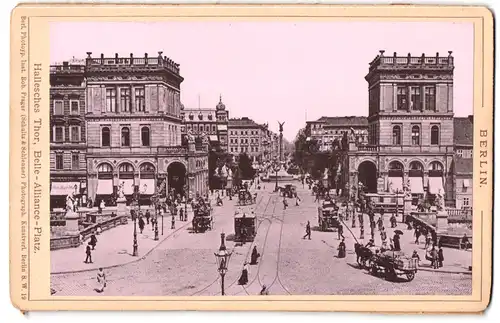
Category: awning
[213,138]
[128,187]
[436,185]
[466,183]
[104,187]
[416,185]
[65,188]
[221,127]
[395,184]
[147,186]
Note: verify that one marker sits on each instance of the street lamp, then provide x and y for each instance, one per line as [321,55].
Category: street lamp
[135,252]
[222,257]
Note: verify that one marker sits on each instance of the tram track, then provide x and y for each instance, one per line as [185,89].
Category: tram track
[217,279]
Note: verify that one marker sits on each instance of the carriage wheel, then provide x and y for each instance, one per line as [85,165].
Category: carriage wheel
[323,226]
[388,274]
[373,269]
[410,275]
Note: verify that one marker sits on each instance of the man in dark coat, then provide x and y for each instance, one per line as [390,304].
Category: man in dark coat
[255,256]
[397,245]
[148,215]
[341,249]
[440,257]
[141,224]
[308,231]
[88,252]
[340,231]
[93,241]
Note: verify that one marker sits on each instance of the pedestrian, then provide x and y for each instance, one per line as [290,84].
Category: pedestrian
[264,290]
[101,281]
[285,203]
[380,222]
[383,235]
[440,257]
[362,232]
[341,249]
[465,244]
[255,256]
[88,252]
[340,231]
[393,221]
[153,221]
[416,256]
[244,275]
[297,200]
[141,224]
[417,234]
[397,245]
[308,231]
[427,240]
[93,241]
[148,215]
[181,214]
[434,258]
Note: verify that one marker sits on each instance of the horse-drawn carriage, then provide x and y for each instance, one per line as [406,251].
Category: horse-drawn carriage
[244,227]
[289,190]
[394,264]
[390,263]
[328,216]
[202,218]
[246,198]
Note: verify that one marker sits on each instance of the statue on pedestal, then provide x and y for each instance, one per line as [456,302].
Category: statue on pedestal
[70,203]
[189,136]
[439,201]
[121,192]
[407,190]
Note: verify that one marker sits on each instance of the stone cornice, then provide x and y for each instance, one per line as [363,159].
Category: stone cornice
[132,117]
[411,116]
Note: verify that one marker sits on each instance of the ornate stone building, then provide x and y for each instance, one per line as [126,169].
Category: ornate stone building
[462,165]
[212,122]
[410,127]
[134,129]
[326,129]
[67,131]
[247,136]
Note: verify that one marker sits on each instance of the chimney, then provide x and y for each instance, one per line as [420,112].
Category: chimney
[131,58]
[145,58]
[116,58]
[102,58]
[409,59]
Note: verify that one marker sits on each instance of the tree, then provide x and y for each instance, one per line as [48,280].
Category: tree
[246,170]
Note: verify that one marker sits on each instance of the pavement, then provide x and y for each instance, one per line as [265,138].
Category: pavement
[184,263]
[108,253]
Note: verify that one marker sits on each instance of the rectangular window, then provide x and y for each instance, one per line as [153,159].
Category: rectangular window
[59,134]
[125,100]
[59,161]
[402,98]
[415,102]
[460,153]
[75,106]
[75,133]
[466,201]
[430,98]
[140,102]
[110,100]
[58,107]
[75,161]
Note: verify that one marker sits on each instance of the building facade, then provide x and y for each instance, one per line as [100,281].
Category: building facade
[210,122]
[67,132]
[133,128]
[326,130]
[462,165]
[410,127]
[247,136]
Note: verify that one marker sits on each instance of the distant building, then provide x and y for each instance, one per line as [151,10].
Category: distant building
[326,129]
[134,129]
[247,136]
[462,165]
[67,132]
[211,122]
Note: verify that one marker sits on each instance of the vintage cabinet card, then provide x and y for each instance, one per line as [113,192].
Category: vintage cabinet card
[239,157]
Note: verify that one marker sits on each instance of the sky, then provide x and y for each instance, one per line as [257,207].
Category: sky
[275,71]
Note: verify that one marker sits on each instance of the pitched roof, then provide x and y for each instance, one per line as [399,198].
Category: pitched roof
[463,165]
[243,122]
[344,121]
[463,131]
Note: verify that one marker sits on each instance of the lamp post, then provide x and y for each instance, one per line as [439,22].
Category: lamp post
[135,252]
[156,204]
[222,257]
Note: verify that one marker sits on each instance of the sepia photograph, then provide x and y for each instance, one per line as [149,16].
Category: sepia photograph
[249,158]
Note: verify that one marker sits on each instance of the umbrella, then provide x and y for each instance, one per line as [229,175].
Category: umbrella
[398,232]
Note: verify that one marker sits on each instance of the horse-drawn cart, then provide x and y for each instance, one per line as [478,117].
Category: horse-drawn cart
[246,198]
[328,216]
[394,264]
[202,219]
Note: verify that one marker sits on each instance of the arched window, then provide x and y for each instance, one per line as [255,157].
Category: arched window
[105,137]
[434,135]
[396,135]
[415,135]
[145,136]
[435,165]
[104,168]
[125,137]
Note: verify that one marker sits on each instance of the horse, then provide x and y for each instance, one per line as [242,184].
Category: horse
[363,254]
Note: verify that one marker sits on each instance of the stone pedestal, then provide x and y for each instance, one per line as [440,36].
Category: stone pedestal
[71,228]
[121,207]
[441,222]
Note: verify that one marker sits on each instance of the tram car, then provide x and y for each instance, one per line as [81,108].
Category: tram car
[246,198]
[328,216]
[244,227]
[202,218]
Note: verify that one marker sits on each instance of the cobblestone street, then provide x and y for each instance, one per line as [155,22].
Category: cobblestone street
[184,263]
